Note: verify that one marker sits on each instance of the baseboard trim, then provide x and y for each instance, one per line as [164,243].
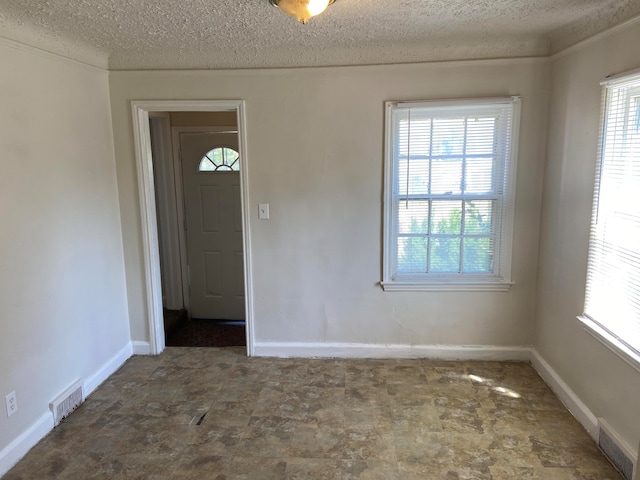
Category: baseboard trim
[564,393]
[141,348]
[366,350]
[18,448]
[110,367]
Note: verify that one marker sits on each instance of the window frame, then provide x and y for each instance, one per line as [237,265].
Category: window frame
[500,278]
[598,327]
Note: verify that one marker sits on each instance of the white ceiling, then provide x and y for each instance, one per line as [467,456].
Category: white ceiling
[174,34]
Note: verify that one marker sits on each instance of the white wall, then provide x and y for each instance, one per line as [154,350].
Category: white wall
[62,288]
[315,145]
[609,387]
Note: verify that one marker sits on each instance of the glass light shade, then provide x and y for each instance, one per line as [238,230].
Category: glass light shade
[303,10]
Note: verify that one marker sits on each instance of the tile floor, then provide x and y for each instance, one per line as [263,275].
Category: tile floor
[216,414]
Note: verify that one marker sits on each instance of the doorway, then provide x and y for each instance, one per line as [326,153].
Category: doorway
[210,210]
[229,295]
[213,223]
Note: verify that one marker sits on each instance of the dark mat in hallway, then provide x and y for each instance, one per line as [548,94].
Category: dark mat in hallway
[207,333]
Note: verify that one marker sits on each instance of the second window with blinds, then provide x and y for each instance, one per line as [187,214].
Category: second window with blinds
[449,194]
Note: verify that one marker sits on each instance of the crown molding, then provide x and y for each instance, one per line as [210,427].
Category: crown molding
[632,22]
[98,66]
[102,64]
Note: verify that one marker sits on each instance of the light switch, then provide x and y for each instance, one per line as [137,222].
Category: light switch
[263,211]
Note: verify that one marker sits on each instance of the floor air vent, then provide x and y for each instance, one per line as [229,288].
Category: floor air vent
[66,402]
[615,450]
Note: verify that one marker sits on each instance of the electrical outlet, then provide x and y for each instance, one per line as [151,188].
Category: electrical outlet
[12,404]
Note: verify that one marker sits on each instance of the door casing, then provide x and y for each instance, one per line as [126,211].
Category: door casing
[140,110]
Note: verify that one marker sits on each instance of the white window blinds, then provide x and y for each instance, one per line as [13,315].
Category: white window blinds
[449,184]
[613,276]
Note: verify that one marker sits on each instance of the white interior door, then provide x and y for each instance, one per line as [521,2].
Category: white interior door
[213,220]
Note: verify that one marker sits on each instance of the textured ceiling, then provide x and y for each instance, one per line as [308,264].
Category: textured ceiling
[173,34]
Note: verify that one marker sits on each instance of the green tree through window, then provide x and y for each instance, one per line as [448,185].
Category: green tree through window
[451,251]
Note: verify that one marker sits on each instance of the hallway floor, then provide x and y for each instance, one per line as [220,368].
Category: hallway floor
[214,413]
[207,333]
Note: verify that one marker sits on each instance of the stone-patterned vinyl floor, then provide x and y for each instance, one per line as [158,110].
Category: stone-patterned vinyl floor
[216,414]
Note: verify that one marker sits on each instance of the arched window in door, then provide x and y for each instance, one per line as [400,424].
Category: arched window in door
[220,159]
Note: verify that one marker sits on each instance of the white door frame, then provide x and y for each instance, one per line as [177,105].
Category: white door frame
[179,194]
[140,110]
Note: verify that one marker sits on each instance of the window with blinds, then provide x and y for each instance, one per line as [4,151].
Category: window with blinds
[449,180]
[612,299]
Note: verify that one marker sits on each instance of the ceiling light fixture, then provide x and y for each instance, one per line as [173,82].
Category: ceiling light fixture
[302,10]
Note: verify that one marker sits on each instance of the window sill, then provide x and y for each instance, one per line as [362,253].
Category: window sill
[446,287]
[611,342]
